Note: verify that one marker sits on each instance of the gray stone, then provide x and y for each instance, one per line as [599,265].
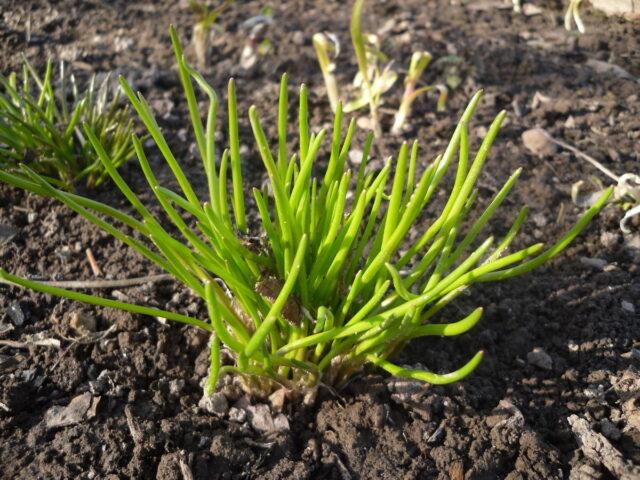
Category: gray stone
[281,423]
[7,232]
[540,358]
[216,404]
[72,414]
[628,306]
[260,418]
[16,314]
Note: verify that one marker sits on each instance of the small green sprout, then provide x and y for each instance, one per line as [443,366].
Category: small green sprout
[206,19]
[419,61]
[626,192]
[334,284]
[372,81]
[572,16]
[40,127]
[325,49]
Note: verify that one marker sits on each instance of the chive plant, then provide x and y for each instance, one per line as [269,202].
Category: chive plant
[41,126]
[335,284]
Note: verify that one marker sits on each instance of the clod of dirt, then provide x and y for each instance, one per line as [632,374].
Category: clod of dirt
[102,384]
[7,232]
[609,430]
[596,447]
[536,141]
[176,386]
[237,415]
[585,470]
[77,411]
[628,388]
[216,404]
[540,358]
[506,433]
[276,399]
[82,323]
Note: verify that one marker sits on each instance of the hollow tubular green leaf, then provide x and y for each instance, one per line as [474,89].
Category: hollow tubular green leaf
[103,302]
[423,375]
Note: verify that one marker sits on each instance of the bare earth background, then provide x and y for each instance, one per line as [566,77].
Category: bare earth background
[135,388]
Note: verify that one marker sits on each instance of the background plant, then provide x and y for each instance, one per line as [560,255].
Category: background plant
[372,80]
[258,43]
[206,18]
[334,284]
[40,126]
[626,191]
[419,61]
[571,16]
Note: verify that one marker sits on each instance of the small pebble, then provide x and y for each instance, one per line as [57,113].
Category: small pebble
[216,404]
[540,358]
[176,387]
[260,418]
[280,423]
[628,306]
[75,412]
[297,38]
[237,415]
[82,323]
[537,143]
[609,239]
[596,263]
[276,399]
[16,314]
[355,157]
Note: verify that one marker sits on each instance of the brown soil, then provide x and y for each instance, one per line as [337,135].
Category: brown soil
[507,420]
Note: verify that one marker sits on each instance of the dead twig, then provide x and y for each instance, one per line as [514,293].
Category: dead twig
[185,469]
[136,434]
[596,447]
[584,156]
[30,341]
[83,340]
[92,261]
